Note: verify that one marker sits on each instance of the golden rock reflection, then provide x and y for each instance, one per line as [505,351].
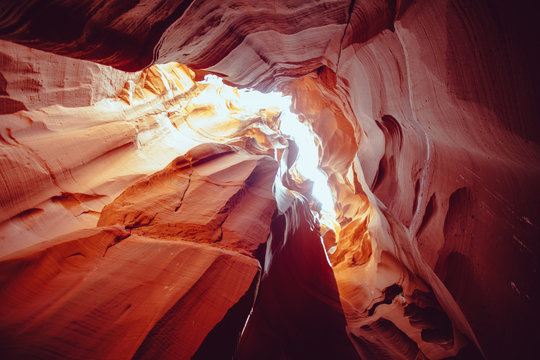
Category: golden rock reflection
[211,111]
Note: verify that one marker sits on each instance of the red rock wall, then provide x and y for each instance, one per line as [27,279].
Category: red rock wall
[428,116]
[297,314]
[459,164]
[136,289]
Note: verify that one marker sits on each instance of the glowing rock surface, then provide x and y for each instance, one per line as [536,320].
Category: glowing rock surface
[426,122]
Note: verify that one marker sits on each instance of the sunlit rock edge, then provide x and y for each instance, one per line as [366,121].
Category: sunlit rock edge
[404,207]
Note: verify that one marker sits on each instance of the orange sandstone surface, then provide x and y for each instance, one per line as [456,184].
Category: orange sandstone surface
[149,212]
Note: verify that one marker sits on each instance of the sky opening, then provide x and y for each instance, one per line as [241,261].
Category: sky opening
[307,164]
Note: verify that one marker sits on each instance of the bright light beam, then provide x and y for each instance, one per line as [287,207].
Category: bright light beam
[307,163]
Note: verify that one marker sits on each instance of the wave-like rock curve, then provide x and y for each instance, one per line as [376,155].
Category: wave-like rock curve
[426,111]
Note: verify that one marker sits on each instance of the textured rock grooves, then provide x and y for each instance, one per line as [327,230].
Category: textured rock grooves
[127,231]
[155,293]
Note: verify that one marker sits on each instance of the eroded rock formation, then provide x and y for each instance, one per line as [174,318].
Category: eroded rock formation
[122,236]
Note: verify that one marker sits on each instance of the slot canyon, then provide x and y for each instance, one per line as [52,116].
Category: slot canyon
[245,179]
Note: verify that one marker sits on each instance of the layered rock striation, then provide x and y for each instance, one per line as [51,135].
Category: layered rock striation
[114,221]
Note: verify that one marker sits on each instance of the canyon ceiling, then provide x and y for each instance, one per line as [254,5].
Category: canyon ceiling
[140,220]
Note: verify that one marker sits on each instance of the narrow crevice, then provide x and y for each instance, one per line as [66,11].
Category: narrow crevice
[351,8]
[389,294]
[221,231]
[428,214]
[221,342]
[229,206]
[184,193]
[116,241]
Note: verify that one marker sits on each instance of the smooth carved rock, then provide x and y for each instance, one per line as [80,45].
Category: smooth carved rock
[215,194]
[93,284]
[105,293]
[426,113]
[298,313]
